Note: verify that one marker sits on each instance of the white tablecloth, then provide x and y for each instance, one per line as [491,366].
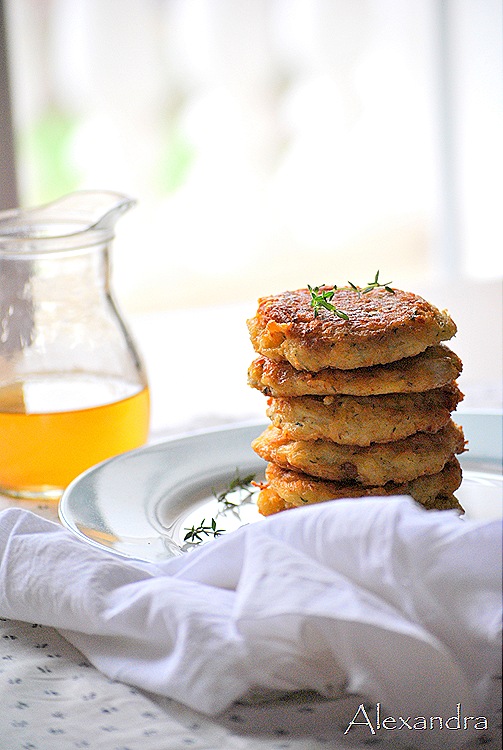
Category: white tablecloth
[52,699]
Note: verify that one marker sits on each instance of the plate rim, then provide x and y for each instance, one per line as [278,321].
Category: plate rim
[65,516]
[158,445]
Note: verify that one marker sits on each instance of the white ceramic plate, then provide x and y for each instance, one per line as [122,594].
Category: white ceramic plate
[143,503]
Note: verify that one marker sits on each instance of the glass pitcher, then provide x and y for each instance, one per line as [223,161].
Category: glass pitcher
[73,389]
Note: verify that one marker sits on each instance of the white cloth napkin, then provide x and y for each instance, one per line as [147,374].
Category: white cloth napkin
[393,602]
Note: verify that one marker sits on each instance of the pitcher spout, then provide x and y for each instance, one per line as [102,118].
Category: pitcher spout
[79,219]
[94,209]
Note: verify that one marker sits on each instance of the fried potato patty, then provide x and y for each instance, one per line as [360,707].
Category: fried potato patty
[433,368]
[269,502]
[376,464]
[296,488]
[382,327]
[362,420]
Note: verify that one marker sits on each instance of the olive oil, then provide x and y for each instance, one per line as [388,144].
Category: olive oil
[54,427]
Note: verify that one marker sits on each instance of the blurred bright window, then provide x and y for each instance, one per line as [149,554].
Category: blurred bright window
[269,143]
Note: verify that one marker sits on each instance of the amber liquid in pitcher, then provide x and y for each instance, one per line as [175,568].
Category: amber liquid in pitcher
[53,428]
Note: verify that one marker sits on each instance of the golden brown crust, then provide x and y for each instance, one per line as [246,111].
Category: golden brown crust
[377,464]
[433,368]
[269,502]
[362,420]
[382,327]
[298,489]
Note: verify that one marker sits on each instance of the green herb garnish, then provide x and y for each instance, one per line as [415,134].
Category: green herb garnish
[376,284]
[237,486]
[238,483]
[194,534]
[321,298]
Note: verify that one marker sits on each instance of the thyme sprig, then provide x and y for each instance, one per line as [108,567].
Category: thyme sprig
[322,296]
[193,534]
[238,485]
[376,284]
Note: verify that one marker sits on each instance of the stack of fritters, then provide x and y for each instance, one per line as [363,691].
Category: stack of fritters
[360,396]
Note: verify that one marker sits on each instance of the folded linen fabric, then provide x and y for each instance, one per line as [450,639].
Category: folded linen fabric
[395,603]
